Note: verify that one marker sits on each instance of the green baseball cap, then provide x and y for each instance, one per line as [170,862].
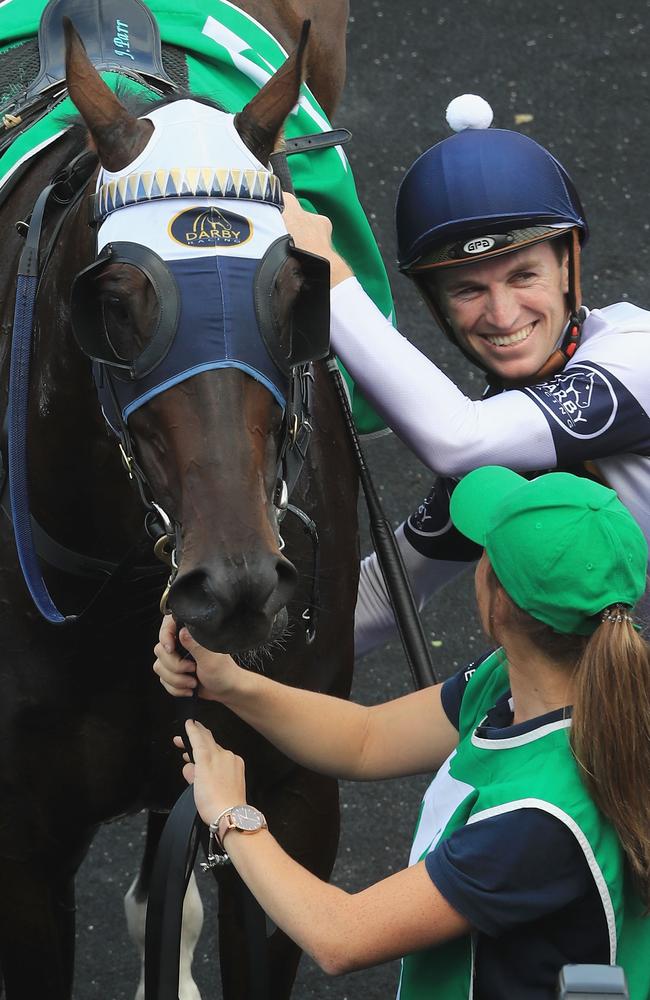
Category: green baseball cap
[562,547]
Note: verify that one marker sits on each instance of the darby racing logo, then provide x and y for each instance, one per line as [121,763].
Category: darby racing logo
[121,43]
[210,227]
[479,245]
[582,400]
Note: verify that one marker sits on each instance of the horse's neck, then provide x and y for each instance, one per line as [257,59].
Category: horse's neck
[326,59]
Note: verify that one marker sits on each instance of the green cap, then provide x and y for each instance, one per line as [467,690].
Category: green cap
[562,547]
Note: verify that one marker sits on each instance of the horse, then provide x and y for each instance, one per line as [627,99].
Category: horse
[85,728]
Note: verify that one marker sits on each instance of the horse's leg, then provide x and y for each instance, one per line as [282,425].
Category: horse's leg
[135,908]
[37,922]
[303,813]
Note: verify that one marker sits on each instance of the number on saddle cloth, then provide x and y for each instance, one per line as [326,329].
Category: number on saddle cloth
[119,35]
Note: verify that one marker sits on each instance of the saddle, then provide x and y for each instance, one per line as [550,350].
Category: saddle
[119,35]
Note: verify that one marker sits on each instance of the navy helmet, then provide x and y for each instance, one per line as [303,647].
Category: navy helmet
[481,193]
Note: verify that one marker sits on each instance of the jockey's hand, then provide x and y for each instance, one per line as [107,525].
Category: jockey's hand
[212,674]
[314,233]
[217,775]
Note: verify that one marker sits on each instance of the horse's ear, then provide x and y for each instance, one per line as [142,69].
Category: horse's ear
[260,123]
[118,136]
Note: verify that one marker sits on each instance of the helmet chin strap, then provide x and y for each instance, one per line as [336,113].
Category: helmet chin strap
[560,356]
[572,335]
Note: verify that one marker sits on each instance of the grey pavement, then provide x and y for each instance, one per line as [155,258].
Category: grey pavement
[578,71]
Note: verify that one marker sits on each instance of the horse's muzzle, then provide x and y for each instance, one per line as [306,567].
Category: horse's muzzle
[233,607]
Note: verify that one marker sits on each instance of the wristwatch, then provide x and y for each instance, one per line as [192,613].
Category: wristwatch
[244,818]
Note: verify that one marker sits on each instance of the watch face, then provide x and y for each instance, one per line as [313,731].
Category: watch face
[247,818]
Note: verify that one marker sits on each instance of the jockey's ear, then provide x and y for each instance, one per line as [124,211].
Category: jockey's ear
[117,135]
[261,122]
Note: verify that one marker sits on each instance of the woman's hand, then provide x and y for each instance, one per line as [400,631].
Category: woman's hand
[213,674]
[314,233]
[217,775]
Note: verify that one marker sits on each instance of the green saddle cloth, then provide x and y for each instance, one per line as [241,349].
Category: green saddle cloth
[229,57]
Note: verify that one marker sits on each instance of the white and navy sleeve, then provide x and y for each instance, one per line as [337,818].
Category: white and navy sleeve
[597,406]
[434,553]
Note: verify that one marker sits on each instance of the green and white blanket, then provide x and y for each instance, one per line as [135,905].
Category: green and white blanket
[229,57]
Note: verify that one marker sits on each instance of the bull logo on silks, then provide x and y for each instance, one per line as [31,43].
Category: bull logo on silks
[210,227]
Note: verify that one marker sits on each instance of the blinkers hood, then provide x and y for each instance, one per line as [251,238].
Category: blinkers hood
[211,245]
[214,312]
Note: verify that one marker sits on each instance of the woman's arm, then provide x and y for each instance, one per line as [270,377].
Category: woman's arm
[341,931]
[410,735]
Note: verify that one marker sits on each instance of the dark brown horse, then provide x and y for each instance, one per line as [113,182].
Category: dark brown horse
[85,730]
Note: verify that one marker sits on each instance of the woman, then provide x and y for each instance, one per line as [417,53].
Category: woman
[532,848]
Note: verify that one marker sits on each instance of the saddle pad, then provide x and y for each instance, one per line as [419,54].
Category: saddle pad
[229,57]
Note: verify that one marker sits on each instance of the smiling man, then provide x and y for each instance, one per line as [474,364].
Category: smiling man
[506,313]
[490,227]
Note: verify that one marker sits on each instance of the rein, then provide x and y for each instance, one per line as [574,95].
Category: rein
[66,188]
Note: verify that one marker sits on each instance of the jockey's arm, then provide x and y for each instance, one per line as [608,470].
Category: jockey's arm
[433,552]
[449,432]
[410,735]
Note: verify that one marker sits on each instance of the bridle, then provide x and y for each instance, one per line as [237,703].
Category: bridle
[65,190]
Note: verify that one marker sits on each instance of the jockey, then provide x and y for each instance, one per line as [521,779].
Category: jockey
[490,228]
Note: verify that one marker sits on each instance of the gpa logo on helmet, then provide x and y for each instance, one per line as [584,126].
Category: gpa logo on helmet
[202,228]
[479,245]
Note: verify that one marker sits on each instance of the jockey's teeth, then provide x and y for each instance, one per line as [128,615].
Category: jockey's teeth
[513,338]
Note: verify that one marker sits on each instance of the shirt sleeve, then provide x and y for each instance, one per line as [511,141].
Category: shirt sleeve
[374,619]
[592,413]
[453,689]
[510,869]
[449,432]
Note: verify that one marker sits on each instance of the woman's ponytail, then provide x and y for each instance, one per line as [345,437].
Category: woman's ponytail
[610,733]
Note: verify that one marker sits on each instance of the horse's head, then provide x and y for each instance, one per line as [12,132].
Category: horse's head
[193,310]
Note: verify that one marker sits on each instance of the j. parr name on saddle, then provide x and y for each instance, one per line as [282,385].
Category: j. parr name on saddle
[121,40]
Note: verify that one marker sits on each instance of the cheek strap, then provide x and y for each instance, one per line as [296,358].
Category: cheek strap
[571,340]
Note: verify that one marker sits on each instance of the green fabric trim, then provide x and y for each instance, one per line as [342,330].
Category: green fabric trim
[232,75]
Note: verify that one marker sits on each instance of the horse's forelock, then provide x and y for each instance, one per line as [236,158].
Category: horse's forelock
[136,104]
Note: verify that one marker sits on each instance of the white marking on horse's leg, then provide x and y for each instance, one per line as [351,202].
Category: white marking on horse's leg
[192,923]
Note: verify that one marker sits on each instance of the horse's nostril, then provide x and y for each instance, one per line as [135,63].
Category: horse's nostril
[235,598]
[287,580]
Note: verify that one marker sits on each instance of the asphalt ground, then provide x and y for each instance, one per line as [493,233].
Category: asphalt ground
[578,71]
